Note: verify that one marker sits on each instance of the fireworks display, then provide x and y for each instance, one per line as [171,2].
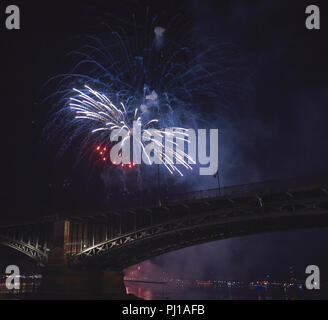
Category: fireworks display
[98,108]
[147,73]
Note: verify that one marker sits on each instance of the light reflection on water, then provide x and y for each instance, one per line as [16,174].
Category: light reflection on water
[150,291]
[25,290]
[171,292]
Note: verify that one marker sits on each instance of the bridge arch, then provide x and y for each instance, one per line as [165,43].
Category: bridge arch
[39,256]
[210,220]
[118,239]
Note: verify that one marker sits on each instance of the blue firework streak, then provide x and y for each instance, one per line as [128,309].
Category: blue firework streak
[152,69]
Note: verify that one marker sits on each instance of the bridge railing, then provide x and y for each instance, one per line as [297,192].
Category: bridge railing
[252,188]
[231,191]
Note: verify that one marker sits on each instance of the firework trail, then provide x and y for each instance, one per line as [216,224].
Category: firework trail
[98,108]
[151,73]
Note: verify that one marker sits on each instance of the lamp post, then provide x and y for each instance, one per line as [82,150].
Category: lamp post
[218,178]
[159,186]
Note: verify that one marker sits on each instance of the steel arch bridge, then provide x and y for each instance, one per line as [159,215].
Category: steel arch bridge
[118,239]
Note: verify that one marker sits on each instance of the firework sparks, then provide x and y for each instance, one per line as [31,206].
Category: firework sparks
[152,74]
[98,108]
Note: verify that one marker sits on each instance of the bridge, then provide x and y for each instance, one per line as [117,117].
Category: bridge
[122,238]
[117,239]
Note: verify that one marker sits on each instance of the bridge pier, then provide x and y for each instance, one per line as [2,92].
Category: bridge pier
[59,280]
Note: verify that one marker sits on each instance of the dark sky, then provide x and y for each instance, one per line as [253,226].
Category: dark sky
[275,126]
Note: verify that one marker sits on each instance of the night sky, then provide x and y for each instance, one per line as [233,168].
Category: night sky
[273,127]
